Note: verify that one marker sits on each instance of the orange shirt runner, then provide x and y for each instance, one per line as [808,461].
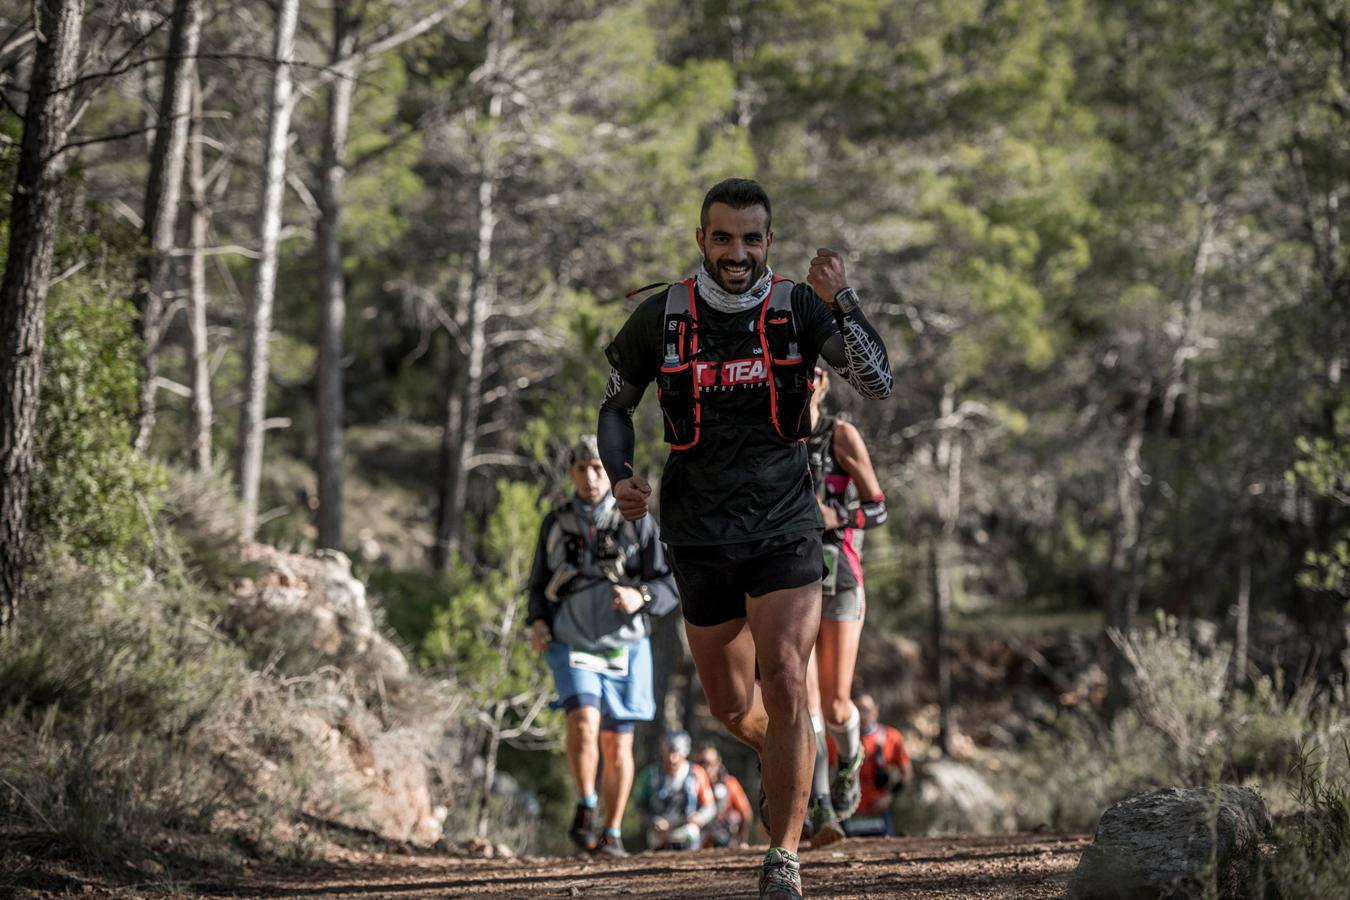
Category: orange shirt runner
[883,748]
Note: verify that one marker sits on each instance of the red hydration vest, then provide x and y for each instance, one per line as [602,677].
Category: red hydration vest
[679,384]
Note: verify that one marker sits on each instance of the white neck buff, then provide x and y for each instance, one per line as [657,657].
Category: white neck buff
[722,301]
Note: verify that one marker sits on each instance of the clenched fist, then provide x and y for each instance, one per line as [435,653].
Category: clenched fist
[827,275]
[632,495]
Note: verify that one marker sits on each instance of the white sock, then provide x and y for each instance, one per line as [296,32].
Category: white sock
[820,776]
[846,739]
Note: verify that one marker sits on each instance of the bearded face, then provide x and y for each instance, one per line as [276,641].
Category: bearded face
[735,246]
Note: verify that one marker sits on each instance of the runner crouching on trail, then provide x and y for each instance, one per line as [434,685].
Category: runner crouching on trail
[675,798]
[850,501]
[596,581]
[733,351]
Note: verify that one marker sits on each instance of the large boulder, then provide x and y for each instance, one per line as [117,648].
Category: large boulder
[1172,843]
[958,799]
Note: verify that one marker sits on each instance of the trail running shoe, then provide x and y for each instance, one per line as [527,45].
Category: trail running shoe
[781,876]
[845,788]
[582,831]
[610,846]
[824,825]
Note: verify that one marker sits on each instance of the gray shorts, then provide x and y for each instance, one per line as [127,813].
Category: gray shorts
[848,605]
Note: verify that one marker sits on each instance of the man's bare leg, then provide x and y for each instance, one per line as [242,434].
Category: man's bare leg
[617,778]
[785,625]
[725,657]
[583,747]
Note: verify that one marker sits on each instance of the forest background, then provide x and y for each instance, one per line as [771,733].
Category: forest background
[340,275]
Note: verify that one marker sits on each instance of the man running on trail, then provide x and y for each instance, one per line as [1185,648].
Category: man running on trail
[850,500]
[595,582]
[733,350]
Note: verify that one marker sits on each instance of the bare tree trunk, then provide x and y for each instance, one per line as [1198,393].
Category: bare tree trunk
[460,445]
[491,746]
[34,211]
[1242,610]
[161,202]
[1121,593]
[199,363]
[332,292]
[256,363]
[447,545]
[940,594]
[742,48]
[941,559]
[1179,388]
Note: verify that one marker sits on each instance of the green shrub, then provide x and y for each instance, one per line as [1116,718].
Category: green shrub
[124,718]
[92,497]
[1312,848]
[1184,728]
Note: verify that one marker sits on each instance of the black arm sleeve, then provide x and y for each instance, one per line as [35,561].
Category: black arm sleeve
[539,576]
[614,431]
[859,355]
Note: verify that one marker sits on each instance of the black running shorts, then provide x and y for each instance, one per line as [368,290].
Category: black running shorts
[715,580]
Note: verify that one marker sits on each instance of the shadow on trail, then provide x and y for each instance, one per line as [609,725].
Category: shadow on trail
[1010,866]
[639,871]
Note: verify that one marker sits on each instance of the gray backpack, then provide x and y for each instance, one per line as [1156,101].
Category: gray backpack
[582,586]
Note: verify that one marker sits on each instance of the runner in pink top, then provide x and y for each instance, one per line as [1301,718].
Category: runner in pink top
[850,501]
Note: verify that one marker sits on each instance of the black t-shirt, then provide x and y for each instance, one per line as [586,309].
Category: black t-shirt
[741,481]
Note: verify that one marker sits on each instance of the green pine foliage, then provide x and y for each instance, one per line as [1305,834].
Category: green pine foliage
[93,498]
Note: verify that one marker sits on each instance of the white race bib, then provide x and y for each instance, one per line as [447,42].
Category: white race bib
[606,662]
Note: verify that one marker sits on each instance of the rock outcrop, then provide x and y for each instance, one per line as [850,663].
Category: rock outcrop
[315,603]
[367,775]
[1172,843]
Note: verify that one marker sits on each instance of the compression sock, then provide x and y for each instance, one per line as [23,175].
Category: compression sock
[820,778]
[591,800]
[846,738]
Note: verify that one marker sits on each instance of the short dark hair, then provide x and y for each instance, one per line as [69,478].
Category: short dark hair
[738,193]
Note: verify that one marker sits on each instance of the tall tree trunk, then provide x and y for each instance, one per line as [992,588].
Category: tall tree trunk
[940,594]
[34,211]
[1242,610]
[462,408]
[1179,389]
[942,555]
[491,745]
[199,363]
[248,468]
[332,294]
[161,202]
[1121,592]
[742,49]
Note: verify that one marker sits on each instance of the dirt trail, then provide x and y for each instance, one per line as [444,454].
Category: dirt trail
[1021,866]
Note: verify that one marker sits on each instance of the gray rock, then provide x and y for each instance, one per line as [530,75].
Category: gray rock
[959,799]
[1172,842]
